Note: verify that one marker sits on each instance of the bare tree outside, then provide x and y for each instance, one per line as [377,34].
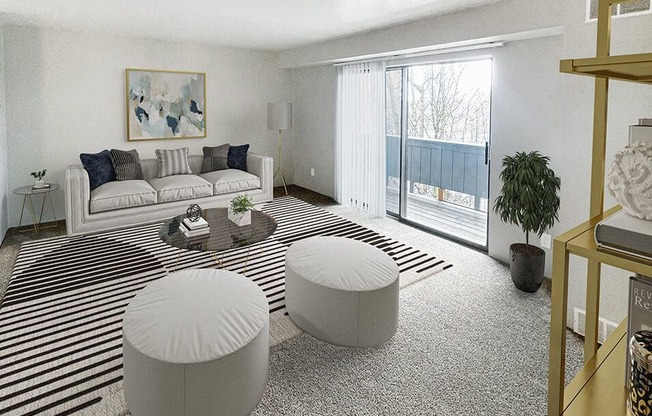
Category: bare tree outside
[447,102]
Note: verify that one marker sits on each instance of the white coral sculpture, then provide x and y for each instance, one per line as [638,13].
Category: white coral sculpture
[630,179]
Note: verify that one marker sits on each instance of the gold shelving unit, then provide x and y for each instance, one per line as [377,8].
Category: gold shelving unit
[635,68]
[599,387]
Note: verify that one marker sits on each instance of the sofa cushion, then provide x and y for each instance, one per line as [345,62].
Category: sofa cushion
[122,194]
[179,187]
[215,158]
[173,162]
[231,180]
[237,157]
[99,168]
[126,164]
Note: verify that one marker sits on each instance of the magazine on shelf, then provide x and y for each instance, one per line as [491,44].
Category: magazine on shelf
[195,225]
[639,317]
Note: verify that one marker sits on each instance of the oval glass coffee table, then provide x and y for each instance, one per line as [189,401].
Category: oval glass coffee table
[224,234]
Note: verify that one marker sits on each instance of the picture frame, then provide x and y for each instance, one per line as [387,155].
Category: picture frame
[165,104]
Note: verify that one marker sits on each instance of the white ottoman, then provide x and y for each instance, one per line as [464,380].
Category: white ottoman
[342,291]
[196,343]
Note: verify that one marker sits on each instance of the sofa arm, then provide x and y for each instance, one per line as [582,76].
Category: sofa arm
[78,197]
[263,167]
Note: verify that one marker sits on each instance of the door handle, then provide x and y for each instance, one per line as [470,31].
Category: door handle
[486,153]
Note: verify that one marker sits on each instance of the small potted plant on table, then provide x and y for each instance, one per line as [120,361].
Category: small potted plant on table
[240,210]
[528,199]
[38,175]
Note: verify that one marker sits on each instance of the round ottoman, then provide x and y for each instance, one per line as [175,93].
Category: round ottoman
[196,343]
[342,291]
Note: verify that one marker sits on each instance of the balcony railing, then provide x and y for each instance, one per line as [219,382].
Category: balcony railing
[458,167]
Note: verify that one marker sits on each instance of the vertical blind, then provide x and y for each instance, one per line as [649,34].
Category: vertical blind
[360,137]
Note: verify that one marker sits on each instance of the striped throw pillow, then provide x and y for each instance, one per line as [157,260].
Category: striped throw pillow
[173,162]
[126,164]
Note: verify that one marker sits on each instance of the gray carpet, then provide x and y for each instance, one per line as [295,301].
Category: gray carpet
[468,343]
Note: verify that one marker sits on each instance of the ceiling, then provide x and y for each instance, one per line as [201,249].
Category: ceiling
[254,24]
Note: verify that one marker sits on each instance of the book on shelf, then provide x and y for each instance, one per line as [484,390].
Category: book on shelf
[639,317]
[194,233]
[195,225]
[625,233]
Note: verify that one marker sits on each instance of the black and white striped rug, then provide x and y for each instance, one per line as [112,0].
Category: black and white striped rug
[60,319]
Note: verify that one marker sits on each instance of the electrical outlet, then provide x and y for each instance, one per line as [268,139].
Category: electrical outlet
[312,172]
[545,240]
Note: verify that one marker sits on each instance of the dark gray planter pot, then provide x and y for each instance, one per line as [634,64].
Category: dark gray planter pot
[526,265]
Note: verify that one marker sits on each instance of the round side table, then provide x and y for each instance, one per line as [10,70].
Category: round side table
[28,192]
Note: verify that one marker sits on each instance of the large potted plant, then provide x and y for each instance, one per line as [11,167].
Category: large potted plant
[528,199]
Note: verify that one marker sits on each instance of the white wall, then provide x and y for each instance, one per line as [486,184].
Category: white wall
[65,95]
[4,194]
[534,106]
[525,117]
[314,128]
[503,17]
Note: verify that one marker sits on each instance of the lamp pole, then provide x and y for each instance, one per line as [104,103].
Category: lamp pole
[280,164]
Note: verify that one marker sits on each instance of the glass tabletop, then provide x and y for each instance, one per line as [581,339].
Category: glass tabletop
[224,234]
[29,190]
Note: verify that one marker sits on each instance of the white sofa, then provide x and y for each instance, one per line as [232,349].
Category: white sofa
[120,204]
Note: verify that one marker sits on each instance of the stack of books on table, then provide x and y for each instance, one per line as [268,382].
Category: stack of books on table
[191,229]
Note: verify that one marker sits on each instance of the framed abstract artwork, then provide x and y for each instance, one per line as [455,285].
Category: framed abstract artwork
[165,104]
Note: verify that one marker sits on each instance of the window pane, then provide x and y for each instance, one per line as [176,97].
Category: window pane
[637,6]
[393,102]
[450,101]
[593,12]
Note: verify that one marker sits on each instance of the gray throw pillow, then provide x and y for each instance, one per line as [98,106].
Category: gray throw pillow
[173,162]
[215,158]
[126,164]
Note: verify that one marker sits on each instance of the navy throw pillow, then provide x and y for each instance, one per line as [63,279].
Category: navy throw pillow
[99,167]
[237,158]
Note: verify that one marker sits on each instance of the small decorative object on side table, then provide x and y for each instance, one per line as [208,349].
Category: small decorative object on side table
[38,175]
[240,210]
[27,192]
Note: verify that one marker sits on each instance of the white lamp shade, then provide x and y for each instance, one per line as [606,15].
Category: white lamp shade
[279,116]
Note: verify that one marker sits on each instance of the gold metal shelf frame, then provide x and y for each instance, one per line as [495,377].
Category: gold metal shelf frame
[599,387]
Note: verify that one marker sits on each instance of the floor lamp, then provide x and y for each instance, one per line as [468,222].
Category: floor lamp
[279,117]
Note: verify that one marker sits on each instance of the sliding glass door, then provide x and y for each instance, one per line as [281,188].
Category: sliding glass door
[437,132]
